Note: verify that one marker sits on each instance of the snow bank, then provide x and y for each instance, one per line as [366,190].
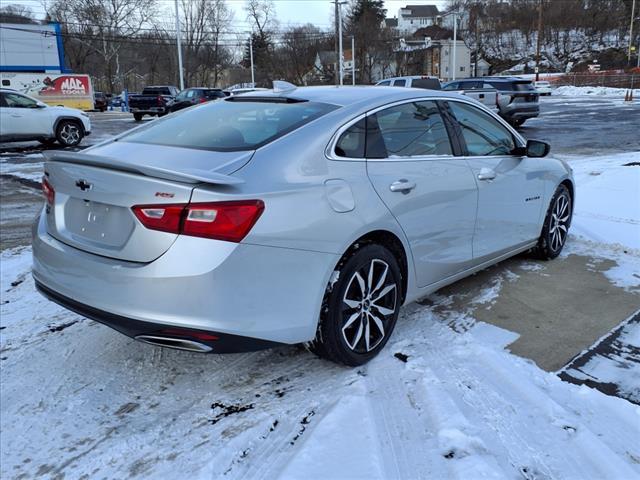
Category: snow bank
[570,91]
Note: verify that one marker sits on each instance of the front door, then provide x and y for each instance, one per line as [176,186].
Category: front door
[23,116]
[510,187]
[431,192]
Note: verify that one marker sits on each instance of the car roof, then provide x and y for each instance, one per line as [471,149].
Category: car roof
[348,95]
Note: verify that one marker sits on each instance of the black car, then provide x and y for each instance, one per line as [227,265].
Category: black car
[517,97]
[193,96]
[100,101]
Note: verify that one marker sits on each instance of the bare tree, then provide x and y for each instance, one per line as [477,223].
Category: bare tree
[100,24]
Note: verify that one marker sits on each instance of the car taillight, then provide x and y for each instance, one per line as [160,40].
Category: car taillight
[48,192]
[230,221]
[203,100]
[160,101]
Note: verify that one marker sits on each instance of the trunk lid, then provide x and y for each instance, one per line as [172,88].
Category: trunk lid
[94,195]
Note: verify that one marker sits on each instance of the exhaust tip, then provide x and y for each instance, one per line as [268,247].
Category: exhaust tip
[177,343]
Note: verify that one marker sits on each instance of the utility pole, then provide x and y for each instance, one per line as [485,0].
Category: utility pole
[335,69]
[455,44]
[539,40]
[633,13]
[353,60]
[253,76]
[178,34]
[340,56]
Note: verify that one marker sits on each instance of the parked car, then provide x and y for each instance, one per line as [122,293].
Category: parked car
[486,96]
[99,101]
[24,118]
[152,101]
[193,96]
[543,87]
[305,215]
[517,98]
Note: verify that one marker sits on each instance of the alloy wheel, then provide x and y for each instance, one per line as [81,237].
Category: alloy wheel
[369,304]
[559,222]
[70,134]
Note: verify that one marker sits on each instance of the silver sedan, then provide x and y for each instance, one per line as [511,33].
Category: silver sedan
[293,215]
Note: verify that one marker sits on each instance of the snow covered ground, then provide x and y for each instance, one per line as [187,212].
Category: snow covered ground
[79,400]
[571,91]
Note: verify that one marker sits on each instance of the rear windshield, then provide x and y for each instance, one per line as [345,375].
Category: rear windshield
[513,86]
[428,83]
[156,90]
[228,126]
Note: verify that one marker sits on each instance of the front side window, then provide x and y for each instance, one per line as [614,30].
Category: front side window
[244,124]
[408,130]
[386,83]
[483,134]
[19,101]
[452,86]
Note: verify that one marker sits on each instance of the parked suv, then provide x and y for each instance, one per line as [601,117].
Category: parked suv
[517,99]
[24,118]
[193,96]
[487,96]
[100,101]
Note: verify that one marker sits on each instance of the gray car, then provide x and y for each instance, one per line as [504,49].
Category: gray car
[294,215]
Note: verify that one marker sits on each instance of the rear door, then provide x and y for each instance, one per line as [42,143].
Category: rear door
[510,187]
[431,192]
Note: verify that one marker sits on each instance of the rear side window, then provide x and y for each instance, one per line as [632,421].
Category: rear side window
[407,130]
[483,134]
[351,142]
[400,83]
[229,125]
[502,86]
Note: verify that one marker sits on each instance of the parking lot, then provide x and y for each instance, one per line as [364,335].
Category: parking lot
[135,408]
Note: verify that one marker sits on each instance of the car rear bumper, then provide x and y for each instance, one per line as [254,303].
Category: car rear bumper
[267,294]
[216,342]
[522,111]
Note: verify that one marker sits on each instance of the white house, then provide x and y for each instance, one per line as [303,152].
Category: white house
[413,17]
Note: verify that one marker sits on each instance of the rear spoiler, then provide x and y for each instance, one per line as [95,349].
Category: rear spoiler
[185,175]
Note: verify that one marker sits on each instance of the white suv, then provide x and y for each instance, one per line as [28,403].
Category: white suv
[24,118]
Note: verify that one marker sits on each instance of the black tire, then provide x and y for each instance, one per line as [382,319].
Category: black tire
[48,141]
[557,219]
[69,133]
[340,321]
[138,117]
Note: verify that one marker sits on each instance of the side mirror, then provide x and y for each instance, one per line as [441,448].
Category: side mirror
[41,105]
[537,148]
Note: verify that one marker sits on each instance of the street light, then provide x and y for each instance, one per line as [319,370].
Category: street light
[179,47]
[340,54]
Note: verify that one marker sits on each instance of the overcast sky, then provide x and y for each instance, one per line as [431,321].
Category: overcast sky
[317,12]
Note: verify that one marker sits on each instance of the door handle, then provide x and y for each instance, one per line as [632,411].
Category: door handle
[486,174]
[403,185]
[15,115]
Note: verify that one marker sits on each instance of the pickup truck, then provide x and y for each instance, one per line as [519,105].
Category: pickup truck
[152,101]
[487,96]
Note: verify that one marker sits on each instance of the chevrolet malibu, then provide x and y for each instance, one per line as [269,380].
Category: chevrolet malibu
[292,215]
